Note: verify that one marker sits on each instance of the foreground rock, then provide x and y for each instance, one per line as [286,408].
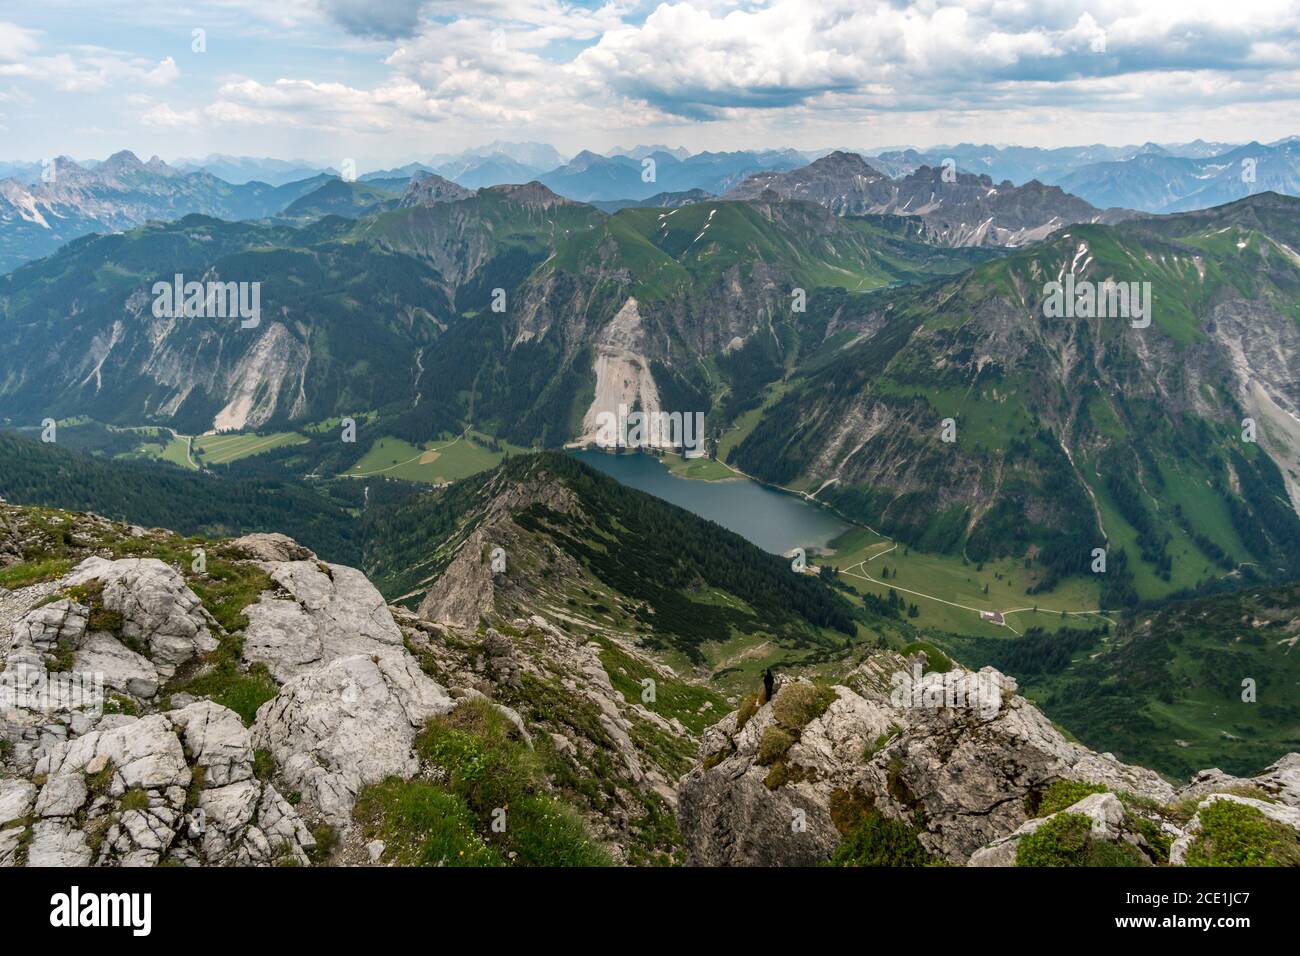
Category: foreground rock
[958,758]
[159,612]
[350,723]
[330,611]
[136,771]
[178,786]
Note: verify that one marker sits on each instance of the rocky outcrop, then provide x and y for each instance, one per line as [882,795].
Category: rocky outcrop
[431,189]
[330,611]
[958,757]
[271,547]
[1103,810]
[139,624]
[1287,815]
[159,612]
[349,723]
[465,592]
[956,209]
[178,786]
[116,776]
[552,683]
[1280,781]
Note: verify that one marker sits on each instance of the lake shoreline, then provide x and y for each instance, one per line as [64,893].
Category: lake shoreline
[790,527]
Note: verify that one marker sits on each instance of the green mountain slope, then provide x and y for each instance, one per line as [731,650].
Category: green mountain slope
[1210,682]
[577,543]
[1074,433]
[162,496]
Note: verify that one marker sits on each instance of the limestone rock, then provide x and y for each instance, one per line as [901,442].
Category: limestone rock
[16,798]
[62,796]
[159,611]
[125,789]
[1280,780]
[217,740]
[464,592]
[58,843]
[142,754]
[333,612]
[271,547]
[1103,809]
[349,723]
[1279,812]
[122,668]
[43,629]
[959,752]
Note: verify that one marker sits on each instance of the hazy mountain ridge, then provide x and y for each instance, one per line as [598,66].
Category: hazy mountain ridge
[958,209]
[122,193]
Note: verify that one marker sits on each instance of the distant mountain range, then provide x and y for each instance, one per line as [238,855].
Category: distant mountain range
[990,195]
[120,193]
[1157,181]
[957,209]
[247,169]
[830,323]
[591,177]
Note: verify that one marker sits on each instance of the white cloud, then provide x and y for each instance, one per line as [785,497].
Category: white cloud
[709,71]
[82,69]
[164,116]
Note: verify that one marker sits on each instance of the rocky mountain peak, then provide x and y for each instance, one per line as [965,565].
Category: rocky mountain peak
[531,194]
[585,160]
[431,189]
[841,162]
[122,161]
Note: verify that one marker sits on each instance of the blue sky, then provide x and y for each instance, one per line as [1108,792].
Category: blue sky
[387,81]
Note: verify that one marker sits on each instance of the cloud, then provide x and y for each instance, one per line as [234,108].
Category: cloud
[366,18]
[769,70]
[16,43]
[83,69]
[552,64]
[162,115]
[694,61]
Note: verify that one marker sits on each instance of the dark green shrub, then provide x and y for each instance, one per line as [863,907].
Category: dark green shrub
[1064,794]
[1236,834]
[1066,840]
[878,841]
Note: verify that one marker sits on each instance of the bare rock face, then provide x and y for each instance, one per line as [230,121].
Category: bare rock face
[465,591]
[1280,780]
[955,755]
[332,612]
[159,611]
[176,785]
[350,723]
[431,189]
[157,625]
[16,799]
[42,629]
[122,668]
[272,547]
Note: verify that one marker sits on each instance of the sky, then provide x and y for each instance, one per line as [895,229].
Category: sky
[385,82]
